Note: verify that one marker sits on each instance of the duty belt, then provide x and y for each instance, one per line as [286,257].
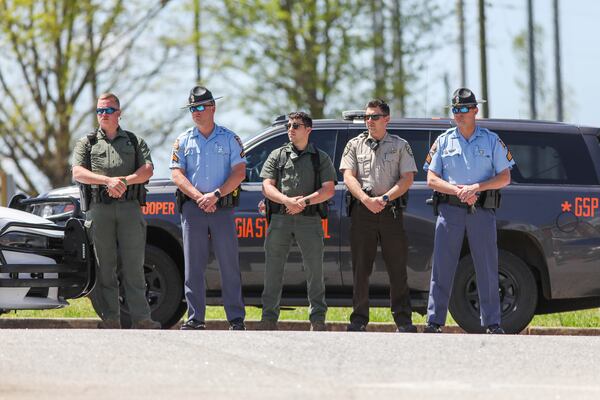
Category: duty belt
[489,199]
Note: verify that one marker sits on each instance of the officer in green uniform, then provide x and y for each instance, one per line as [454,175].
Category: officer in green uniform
[105,163]
[297,178]
[378,169]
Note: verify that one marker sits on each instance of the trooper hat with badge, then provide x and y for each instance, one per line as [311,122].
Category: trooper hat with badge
[199,96]
[464,97]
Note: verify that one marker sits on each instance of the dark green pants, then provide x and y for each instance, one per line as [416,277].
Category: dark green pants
[308,233]
[119,229]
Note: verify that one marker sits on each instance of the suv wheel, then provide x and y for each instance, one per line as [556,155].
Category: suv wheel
[164,290]
[518,294]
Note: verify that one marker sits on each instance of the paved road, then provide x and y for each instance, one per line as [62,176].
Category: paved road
[92,364]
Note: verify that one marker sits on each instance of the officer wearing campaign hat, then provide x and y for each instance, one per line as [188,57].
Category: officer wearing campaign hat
[466,166]
[207,164]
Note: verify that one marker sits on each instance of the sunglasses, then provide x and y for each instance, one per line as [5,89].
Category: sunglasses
[374,117]
[294,125]
[461,110]
[108,110]
[201,107]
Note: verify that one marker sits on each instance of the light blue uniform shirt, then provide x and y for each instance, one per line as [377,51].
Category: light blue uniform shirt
[207,162]
[464,162]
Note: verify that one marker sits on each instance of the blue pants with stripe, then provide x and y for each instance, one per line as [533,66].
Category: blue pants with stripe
[480,226]
[197,225]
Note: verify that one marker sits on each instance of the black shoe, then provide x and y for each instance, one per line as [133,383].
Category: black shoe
[356,327]
[237,325]
[495,330]
[432,328]
[193,325]
[409,328]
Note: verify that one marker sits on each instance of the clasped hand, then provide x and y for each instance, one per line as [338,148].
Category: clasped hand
[116,187]
[207,202]
[468,193]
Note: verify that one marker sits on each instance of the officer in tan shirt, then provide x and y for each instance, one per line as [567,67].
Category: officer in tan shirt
[378,169]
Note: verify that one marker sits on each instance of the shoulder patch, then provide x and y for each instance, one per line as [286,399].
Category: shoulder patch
[347,148]
[237,139]
[509,156]
[176,145]
[432,152]
[409,150]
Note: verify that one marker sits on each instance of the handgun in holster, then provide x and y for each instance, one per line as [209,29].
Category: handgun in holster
[349,201]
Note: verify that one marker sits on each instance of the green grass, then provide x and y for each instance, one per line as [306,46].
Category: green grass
[82,308]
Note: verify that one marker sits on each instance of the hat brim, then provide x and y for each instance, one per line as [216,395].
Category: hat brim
[466,104]
[199,103]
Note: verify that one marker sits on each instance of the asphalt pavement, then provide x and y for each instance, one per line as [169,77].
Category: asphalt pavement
[96,364]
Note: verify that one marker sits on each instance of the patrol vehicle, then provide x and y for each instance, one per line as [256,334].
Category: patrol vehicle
[548,226]
[42,264]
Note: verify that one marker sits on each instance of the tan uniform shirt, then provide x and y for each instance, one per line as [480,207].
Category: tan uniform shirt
[380,169]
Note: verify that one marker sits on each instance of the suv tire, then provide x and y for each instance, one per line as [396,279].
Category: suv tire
[164,290]
[518,294]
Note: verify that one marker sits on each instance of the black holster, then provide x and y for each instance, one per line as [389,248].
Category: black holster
[85,196]
[490,199]
[349,201]
[323,209]
[271,208]
[180,199]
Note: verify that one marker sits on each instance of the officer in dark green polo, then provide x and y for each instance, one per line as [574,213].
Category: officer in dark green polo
[113,165]
[297,178]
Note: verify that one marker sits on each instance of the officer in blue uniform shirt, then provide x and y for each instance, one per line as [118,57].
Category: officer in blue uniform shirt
[207,164]
[466,166]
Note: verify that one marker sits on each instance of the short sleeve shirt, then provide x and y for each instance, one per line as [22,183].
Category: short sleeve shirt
[207,161]
[112,157]
[464,162]
[380,169]
[298,174]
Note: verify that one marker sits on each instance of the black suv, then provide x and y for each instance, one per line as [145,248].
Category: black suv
[548,226]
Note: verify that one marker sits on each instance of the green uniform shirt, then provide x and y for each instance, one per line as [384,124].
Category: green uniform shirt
[298,175]
[112,157]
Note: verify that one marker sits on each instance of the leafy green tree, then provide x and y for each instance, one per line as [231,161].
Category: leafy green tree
[57,55]
[297,54]
[403,36]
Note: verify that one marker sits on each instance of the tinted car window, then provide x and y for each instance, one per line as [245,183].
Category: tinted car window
[419,143]
[257,156]
[550,158]
[325,139]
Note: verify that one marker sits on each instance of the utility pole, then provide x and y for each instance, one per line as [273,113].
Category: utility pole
[460,7]
[483,57]
[399,81]
[197,47]
[559,90]
[532,80]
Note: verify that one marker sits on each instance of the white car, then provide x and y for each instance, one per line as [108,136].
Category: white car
[42,264]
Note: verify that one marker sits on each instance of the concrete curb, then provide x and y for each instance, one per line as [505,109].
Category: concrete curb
[91,323]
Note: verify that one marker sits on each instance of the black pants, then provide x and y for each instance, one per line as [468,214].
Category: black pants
[366,231]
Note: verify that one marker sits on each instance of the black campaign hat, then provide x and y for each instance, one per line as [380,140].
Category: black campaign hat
[200,95]
[464,97]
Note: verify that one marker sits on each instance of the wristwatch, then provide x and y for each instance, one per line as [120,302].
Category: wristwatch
[385,198]
[217,193]
[307,202]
